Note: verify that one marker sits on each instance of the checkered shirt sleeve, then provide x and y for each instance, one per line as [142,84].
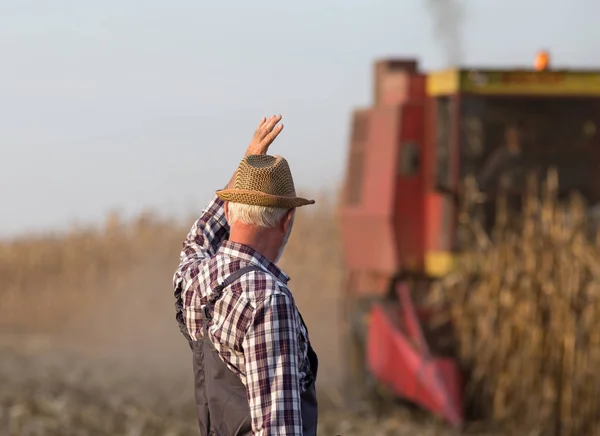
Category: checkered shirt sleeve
[271,365]
[203,240]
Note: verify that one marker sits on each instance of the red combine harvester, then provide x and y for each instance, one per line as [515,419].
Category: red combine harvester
[408,153]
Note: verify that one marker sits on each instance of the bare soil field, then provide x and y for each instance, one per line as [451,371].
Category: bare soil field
[89,344]
[52,390]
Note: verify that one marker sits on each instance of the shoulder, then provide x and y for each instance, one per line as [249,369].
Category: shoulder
[260,288]
[268,303]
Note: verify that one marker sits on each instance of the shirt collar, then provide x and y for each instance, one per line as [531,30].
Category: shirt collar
[249,254]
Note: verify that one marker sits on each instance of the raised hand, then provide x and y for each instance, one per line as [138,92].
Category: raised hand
[265,134]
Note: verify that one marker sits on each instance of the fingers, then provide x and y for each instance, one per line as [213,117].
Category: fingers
[273,119]
[266,127]
[265,134]
[262,121]
[270,137]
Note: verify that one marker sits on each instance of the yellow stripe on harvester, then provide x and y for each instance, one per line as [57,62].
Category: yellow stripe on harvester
[439,263]
[514,82]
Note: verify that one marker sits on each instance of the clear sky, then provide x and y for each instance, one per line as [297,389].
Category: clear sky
[122,104]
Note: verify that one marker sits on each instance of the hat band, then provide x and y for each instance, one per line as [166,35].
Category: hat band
[251,192]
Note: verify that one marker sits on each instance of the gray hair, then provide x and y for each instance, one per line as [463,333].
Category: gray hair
[259,216]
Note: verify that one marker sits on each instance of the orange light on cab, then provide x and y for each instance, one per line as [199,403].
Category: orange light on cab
[542,61]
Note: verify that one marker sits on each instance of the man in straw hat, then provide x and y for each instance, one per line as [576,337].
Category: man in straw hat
[254,367]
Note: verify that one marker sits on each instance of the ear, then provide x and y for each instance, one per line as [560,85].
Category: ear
[226,209]
[287,220]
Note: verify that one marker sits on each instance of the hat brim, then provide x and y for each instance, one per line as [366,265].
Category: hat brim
[255,198]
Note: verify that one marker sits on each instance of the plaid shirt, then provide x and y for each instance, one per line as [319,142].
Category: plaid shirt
[256,329]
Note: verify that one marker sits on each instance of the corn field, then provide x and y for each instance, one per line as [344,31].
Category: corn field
[525,304]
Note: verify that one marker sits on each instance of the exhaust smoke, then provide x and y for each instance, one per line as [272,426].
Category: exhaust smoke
[447,16]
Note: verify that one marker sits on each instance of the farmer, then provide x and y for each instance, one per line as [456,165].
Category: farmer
[254,367]
[505,166]
[503,161]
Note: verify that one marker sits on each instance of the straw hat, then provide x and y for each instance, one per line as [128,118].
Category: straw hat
[264,180]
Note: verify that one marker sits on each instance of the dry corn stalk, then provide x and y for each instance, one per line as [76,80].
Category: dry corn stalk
[526,310]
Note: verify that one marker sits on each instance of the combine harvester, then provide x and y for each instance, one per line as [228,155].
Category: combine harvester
[408,154]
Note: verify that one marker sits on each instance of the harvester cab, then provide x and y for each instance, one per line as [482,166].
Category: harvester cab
[409,152]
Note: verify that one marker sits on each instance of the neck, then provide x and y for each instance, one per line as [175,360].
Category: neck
[261,240]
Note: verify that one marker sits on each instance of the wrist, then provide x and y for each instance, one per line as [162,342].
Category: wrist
[253,151]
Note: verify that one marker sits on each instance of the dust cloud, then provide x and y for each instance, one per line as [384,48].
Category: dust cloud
[106,298]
